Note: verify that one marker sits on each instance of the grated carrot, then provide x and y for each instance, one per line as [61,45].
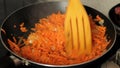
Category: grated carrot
[47,43]
[22,27]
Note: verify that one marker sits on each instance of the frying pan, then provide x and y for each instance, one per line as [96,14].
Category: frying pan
[32,13]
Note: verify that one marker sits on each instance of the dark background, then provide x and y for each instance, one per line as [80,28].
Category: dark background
[9,6]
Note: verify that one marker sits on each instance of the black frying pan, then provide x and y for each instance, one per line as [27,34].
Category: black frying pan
[31,14]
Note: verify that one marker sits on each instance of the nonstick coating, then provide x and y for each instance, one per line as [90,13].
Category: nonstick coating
[32,13]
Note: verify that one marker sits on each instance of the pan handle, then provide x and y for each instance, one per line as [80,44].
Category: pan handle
[19,62]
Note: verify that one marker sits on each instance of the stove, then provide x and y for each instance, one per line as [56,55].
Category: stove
[9,61]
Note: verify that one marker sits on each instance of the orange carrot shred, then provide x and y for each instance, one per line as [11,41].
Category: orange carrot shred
[47,43]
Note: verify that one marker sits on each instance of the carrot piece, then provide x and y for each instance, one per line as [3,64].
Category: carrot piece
[47,43]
